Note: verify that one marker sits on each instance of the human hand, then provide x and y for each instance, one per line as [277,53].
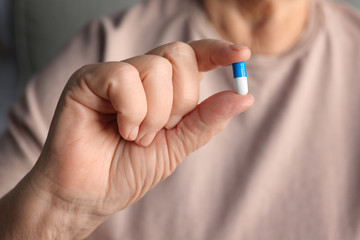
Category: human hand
[122,127]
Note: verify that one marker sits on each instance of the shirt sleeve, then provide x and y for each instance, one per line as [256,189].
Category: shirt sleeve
[30,117]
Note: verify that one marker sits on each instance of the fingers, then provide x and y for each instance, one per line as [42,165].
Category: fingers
[185,79]
[208,119]
[113,87]
[139,91]
[155,90]
[156,75]
[211,54]
[188,61]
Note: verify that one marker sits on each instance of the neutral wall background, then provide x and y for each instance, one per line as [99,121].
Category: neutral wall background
[8,72]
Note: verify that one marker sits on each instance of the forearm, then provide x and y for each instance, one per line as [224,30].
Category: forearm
[27,213]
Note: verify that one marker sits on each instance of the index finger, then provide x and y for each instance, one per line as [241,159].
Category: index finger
[211,53]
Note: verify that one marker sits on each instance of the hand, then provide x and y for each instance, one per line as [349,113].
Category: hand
[122,127]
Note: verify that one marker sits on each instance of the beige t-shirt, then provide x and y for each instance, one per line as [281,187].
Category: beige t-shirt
[288,168]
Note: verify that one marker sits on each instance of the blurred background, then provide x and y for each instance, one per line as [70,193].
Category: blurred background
[25,25]
[32,31]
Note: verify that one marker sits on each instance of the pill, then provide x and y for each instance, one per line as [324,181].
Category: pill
[240,78]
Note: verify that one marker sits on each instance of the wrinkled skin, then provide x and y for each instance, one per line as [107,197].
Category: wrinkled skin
[122,127]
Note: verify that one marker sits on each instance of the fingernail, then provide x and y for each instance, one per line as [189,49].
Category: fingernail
[147,139]
[173,120]
[237,47]
[133,133]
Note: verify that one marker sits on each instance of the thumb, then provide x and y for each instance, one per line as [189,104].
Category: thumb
[208,119]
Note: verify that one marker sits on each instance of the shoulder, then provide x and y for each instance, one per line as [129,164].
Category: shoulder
[341,18]
[145,26]
[340,34]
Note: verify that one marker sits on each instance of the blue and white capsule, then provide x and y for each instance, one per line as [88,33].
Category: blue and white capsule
[240,78]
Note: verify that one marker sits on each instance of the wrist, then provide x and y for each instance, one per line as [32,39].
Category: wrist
[31,212]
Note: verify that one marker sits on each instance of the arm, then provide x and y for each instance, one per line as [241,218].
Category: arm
[31,213]
[118,130]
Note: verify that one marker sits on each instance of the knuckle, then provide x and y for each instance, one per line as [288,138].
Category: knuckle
[119,73]
[179,49]
[160,65]
[121,69]
[83,71]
